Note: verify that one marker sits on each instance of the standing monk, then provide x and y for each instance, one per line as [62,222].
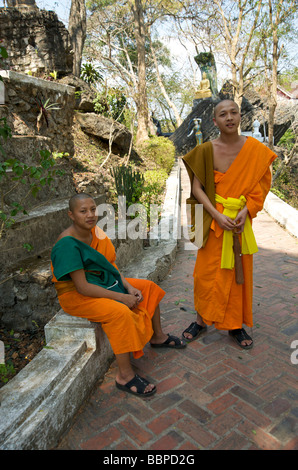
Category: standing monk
[89,285]
[230,176]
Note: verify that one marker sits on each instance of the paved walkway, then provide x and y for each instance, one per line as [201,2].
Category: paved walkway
[211,395]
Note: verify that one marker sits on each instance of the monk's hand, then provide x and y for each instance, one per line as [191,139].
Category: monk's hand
[225,222]
[240,220]
[136,292]
[130,301]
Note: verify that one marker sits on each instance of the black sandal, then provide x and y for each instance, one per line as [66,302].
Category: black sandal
[239,336]
[178,344]
[195,330]
[140,383]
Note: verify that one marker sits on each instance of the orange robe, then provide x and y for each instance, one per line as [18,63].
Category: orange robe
[127,330]
[217,297]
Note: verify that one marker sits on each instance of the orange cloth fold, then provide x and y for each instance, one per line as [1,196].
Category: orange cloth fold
[217,297]
[127,330]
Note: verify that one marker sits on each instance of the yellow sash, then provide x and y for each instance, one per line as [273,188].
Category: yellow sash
[249,246]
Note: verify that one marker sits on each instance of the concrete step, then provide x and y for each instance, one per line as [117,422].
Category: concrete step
[42,225]
[61,187]
[24,393]
[41,400]
[14,147]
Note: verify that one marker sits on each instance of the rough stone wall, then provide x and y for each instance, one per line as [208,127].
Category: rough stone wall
[23,98]
[28,295]
[36,41]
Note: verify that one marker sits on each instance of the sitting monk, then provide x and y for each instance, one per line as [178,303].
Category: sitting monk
[89,285]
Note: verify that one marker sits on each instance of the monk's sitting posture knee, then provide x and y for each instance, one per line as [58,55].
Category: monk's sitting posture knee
[89,285]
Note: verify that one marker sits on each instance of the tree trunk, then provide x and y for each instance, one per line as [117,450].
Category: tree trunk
[77,32]
[142,103]
[273,94]
[164,92]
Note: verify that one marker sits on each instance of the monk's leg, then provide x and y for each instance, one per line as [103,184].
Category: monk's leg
[159,336]
[126,373]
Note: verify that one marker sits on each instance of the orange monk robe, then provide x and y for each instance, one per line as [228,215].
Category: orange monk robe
[217,297]
[127,330]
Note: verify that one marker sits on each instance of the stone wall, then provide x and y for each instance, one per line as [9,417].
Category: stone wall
[24,96]
[26,293]
[36,41]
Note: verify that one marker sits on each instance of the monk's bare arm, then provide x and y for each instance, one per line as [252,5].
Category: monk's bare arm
[223,221]
[132,290]
[91,290]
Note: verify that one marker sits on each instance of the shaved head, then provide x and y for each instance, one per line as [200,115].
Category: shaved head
[217,106]
[77,197]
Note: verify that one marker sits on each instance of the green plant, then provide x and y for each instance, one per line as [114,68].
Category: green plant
[5,132]
[6,370]
[111,103]
[128,183]
[44,109]
[153,189]
[287,140]
[90,74]
[54,74]
[160,151]
[33,177]
[3,52]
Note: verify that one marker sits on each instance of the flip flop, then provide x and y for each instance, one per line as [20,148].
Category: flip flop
[140,383]
[195,330]
[177,343]
[240,335]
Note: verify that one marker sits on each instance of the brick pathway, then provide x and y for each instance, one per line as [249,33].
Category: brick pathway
[211,395]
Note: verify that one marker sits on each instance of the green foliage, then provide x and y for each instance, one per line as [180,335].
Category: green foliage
[152,192]
[160,151]
[5,132]
[287,140]
[34,177]
[6,371]
[287,78]
[90,74]
[128,183]
[111,103]
[3,52]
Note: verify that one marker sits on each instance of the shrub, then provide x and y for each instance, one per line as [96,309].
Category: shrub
[159,151]
[128,183]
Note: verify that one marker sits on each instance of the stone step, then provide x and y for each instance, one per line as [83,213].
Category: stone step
[42,225]
[14,147]
[46,394]
[62,186]
[20,397]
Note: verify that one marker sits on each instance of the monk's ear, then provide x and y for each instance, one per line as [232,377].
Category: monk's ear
[70,215]
[214,122]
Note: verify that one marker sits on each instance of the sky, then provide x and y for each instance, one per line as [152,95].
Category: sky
[61,7]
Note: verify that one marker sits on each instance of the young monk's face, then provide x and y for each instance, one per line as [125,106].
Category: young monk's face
[84,213]
[227,117]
